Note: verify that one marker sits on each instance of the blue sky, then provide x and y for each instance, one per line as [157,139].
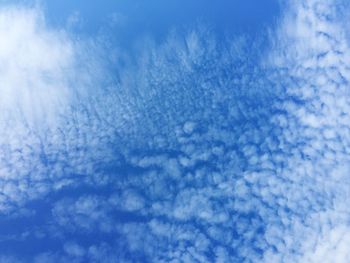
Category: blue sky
[185,131]
[157,17]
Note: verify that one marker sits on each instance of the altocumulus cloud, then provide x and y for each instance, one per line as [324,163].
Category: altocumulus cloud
[42,75]
[206,151]
[35,71]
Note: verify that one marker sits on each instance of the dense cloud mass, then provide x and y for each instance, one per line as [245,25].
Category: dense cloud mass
[205,151]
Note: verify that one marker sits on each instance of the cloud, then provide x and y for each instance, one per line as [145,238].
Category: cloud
[46,76]
[35,72]
[35,66]
[313,49]
[204,151]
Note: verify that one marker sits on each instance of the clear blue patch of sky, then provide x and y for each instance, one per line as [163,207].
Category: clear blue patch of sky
[154,18]
[126,24]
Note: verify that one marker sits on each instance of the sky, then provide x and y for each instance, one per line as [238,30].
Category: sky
[177,131]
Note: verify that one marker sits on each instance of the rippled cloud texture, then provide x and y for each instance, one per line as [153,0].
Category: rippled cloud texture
[203,151]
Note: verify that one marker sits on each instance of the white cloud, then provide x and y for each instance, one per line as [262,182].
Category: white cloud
[227,157]
[46,76]
[35,71]
[36,65]
[74,249]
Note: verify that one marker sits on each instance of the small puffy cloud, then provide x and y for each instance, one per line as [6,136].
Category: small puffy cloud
[73,249]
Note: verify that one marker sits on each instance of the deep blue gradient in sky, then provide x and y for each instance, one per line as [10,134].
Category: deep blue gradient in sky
[158,17]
